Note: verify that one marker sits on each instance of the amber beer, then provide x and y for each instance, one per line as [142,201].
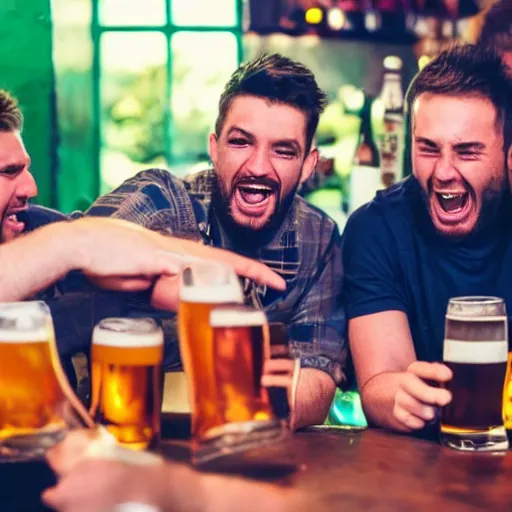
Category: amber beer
[240,347]
[476,350]
[202,288]
[30,395]
[127,359]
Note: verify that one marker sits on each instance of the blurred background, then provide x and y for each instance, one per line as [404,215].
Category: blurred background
[109,87]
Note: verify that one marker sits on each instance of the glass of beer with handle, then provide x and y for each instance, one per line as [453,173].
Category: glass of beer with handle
[37,404]
[127,355]
[476,350]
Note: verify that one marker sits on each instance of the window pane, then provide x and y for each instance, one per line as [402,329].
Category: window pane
[133,77]
[207,13]
[72,60]
[132,12]
[202,64]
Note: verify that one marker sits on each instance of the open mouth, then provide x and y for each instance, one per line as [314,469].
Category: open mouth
[253,199]
[254,194]
[12,223]
[452,207]
[452,203]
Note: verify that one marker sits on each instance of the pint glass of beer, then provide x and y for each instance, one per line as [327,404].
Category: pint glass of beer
[127,356]
[476,350]
[31,397]
[203,286]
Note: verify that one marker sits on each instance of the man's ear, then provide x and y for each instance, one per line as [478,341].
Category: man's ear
[309,165]
[213,148]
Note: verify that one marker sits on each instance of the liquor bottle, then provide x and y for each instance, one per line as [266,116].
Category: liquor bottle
[365,176]
[392,141]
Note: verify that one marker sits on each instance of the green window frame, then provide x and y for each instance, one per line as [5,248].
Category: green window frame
[169,29]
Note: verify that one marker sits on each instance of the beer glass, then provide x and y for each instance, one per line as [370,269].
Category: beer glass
[37,404]
[244,417]
[127,356]
[476,350]
[203,286]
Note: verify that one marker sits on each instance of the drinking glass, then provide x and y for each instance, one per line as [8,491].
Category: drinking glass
[37,404]
[127,377]
[476,350]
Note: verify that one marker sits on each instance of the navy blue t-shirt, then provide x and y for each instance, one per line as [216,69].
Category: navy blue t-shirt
[394,259]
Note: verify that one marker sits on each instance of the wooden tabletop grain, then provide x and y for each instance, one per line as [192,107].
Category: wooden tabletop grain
[367,470]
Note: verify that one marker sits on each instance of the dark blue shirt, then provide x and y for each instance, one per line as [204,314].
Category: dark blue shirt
[395,260]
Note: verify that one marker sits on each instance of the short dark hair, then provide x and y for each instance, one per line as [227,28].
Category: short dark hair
[468,70]
[496,31]
[280,80]
[11,118]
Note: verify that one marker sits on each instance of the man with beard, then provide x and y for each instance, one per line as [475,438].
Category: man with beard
[261,153]
[443,232]
[31,266]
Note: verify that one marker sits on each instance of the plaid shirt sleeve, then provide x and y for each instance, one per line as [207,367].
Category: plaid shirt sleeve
[151,199]
[317,324]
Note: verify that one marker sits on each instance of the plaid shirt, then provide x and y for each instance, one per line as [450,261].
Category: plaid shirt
[305,252]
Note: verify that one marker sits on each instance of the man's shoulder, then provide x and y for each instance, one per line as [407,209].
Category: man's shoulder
[37,216]
[313,220]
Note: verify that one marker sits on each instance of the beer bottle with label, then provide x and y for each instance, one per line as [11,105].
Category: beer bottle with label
[392,141]
[365,177]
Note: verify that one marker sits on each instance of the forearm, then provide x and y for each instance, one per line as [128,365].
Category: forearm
[313,398]
[33,262]
[378,400]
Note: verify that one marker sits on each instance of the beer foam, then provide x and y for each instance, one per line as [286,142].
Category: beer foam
[476,352]
[218,294]
[37,335]
[476,319]
[25,322]
[237,317]
[127,332]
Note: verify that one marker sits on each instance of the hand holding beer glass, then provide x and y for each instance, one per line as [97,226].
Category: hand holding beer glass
[224,347]
[127,356]
[37,405]
[476,350]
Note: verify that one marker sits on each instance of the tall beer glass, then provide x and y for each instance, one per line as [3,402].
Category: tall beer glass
[127,356]
[204,285]
[476,350]
[33,389]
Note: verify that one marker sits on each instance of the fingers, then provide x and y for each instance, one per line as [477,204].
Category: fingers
[408,420]
[431,371]
[416,402]
[422,392]
[260,273]
[279,366]
[276,381]
[412,413]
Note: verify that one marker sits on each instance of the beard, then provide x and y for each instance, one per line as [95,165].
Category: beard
[247,238]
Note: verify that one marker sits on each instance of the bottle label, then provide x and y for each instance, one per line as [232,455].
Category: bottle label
[391,148]
[365,180]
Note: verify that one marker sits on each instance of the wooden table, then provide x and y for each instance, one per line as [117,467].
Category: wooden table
[369,470]
[322,471]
